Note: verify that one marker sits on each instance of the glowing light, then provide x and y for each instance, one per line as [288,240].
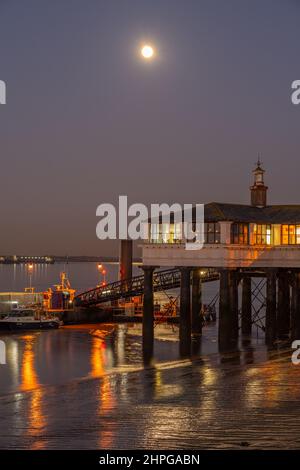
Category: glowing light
[97,358]
[147,51]
[29,376]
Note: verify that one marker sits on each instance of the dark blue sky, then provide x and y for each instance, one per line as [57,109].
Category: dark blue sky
[86,119]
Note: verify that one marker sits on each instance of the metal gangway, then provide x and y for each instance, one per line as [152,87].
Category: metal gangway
[162,281]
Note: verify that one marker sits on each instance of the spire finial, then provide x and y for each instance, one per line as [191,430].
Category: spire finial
[259,162]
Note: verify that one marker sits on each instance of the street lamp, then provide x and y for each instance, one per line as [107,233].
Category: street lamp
[102,271]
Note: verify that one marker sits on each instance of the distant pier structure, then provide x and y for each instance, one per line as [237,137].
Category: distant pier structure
[20,259]
[241,242]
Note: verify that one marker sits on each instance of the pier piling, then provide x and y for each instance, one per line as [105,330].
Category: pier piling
[246,306]
[283,316]
[271,311]
[295,306]
[125,258]
[228,309]
[185,313]
[196,302]
[148,315]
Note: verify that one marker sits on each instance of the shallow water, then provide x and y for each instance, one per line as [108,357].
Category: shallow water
[85,387]
[75,352]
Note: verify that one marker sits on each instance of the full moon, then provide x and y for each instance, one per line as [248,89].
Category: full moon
[147,51]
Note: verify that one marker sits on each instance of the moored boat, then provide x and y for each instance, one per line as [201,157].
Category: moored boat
[29,319]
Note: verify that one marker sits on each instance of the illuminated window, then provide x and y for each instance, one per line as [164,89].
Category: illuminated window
[298,234]
[262,234]
[154,233]
[177,232]
[285,234]
[240,234]
[165,233]
[269,234]
[173,233]
[290,234]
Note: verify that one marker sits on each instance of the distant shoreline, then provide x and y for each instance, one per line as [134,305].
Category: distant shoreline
[90,259]
[61,259]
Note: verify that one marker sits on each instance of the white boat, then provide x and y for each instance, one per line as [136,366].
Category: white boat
[29,319]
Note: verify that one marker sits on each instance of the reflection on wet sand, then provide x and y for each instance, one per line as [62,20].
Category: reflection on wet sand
[98,346]
[179,407]
[257,394]
[105,400]
[218,401]
[29,378]
[29,382]
[106,405]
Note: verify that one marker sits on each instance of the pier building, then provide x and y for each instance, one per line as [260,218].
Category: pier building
[240,242]
[235,235]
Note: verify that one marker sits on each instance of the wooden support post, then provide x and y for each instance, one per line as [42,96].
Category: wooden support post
[283,316]
[246,306]
[271,312]
[196,302]
[185,313]
[234,302]
[224,307]
[148,315]
[295,306]
[228,310]
[125,259]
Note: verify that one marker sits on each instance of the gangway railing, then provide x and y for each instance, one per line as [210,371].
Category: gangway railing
[162,281]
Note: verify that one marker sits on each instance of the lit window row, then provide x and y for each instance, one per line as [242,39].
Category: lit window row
[265,234]
[241,233]
[290,234]
[172,233]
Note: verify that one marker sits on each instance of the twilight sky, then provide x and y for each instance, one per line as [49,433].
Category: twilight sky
[87,119]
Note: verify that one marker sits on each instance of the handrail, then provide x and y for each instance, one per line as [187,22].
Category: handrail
[162,280]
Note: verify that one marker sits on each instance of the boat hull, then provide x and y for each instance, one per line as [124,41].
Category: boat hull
[19,326]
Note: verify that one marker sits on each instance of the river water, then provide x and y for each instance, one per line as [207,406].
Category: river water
[85,386]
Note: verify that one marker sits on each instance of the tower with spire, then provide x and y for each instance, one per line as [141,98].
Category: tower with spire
[259,190]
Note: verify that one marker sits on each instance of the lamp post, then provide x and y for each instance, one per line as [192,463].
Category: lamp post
[102,271]
[104,277]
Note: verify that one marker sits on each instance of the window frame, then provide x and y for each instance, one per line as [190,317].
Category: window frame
[262,233]
[292,234]
[212,233]
[239,233]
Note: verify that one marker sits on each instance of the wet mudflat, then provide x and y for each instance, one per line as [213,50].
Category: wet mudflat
[246,399]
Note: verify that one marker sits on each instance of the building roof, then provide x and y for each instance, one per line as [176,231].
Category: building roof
[278,214]
[218,212]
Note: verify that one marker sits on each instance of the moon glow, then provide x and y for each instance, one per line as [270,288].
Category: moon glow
[147,51]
